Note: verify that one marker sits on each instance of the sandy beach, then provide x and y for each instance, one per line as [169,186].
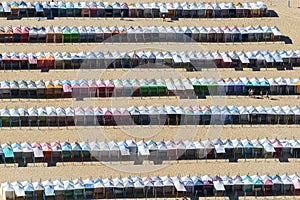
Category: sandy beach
[287,22]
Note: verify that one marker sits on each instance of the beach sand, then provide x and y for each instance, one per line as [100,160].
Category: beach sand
[287,22]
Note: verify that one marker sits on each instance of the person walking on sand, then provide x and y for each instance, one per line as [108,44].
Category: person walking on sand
[261,94]
[250,92]
[164,17]
[267,94]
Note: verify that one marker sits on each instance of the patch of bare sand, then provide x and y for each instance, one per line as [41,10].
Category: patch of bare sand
[156,133]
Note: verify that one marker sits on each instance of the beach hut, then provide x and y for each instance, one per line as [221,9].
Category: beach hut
[101,88]
[108,10]
[39,190]
[47,9]
[116,9]
[74,37]
[62,9]
[5,117]
[7,191]
[65,59]
[24,117]
[277,185]
[58,188]
[40,89]
[19,190]
[77,9]
[32,117]
[88,185]
[42,117]
[100,9]
[258,185]
[91,34]
[208,187]
[49,60]
[46,152]
[39,10]
[49,86]
[6,9]
[66,34]
[69,189]
[109,187]
[23,57]
[70,11]
[38,155]
[135,115]
[228,184]
[33,35]
[8,34]
[268,185]
[17,31]
[22,9]
[79,189]
[66,152]
[219,188]
[58,37]
[198,185]
[30,9]
[60,116]
[18,154]
[95,151]
[85,151]
[51,116]
[14,120]
[76,153]
[8,153]
[56,154]
[99,190]
[238,185]
[2,35]
[92,9]
[5,89]
[50,34]
[14,61]
[287,184]
[108,151]
[41,58]
[82,34]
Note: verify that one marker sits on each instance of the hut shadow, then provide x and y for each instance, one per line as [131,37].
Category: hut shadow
[158,161]
[170,21]
[286,39]
[127,20]
[13,18]
[273,13]
[283,159]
